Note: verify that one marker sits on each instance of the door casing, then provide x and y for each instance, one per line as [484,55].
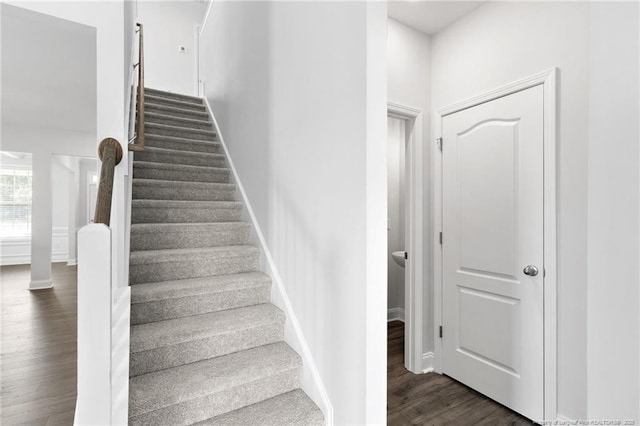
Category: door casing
[415,243]
[548,80]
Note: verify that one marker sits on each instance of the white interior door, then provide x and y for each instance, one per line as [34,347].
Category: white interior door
[492,231]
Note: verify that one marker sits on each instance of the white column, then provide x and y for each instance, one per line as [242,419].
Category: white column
[41,222]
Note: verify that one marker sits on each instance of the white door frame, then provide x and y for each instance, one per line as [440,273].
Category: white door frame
[548,80]
[415,241]
[196,59]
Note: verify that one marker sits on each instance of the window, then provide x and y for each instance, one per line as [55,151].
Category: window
[15,203]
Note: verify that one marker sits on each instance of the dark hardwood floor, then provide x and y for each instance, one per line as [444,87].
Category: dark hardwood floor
[434,399]
[38,348]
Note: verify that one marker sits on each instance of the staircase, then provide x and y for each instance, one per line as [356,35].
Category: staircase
[206,345]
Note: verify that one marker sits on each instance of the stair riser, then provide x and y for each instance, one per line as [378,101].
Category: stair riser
[175,112]
[160,310]
[180,133]
[199,409]
[161,100]
[198,350]
[176,121]
[183,145]
[177,193]
[169,95]
[190,239]
[177,158]
[179,270]
[149,215]
[179,175]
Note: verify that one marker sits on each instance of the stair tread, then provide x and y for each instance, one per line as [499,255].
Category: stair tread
[151,292]
[186,204]
[174,102]
[159,92]
[179,183]
[141,228]
[293,408]
[152,136]
[159,116]
[183,167]
[178,152]
[171,332]
[143,257]
[164,107]
[180,128]
[152,391]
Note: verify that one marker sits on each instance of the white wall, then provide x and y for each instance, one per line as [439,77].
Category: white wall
[612,260]
[597,285]
[409,84]
[168,25]
[291,89]
[396,208]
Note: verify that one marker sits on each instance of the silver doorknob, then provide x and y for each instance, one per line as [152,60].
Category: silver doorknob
[530,270]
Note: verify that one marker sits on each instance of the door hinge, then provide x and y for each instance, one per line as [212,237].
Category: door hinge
[439,142]
[406,255]
[440,237]
[441,332]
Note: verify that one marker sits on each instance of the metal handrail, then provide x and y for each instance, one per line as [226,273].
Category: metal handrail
[138,145]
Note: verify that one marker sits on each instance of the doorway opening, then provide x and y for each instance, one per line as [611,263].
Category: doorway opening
[406,230]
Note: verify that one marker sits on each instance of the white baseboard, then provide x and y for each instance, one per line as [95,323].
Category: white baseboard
[72,262]
[310,379]
[427,362]
[395,314]
[40,284]
[564,420]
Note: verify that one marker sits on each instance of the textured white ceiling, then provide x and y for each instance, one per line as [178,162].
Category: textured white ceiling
[429,16]
[48,71]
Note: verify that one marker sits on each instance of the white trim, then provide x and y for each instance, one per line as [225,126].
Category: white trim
[120,344]
[427,362]
[40,284]
[564,420]
[196,60]
[395,314]
[548,80]
[293,332]
[72,262]
[21,248]
[414,234]
[206,18]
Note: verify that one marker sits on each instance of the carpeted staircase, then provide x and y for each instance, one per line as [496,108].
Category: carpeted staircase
[206,344]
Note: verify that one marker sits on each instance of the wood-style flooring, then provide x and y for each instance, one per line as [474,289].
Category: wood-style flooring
[434,399]
[38,348]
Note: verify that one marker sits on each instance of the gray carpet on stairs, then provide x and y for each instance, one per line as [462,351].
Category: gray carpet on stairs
[206,344]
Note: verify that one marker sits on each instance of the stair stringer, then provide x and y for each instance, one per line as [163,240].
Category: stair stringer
[310,380]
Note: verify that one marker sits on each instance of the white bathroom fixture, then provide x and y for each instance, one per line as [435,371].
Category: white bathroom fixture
[398,256]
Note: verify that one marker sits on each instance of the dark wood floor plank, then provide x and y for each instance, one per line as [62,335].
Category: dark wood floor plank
[38,348]
[433,399]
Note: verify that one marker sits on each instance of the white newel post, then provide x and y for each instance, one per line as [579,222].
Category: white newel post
[93,406]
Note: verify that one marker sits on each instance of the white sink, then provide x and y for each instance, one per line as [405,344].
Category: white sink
[398,256]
